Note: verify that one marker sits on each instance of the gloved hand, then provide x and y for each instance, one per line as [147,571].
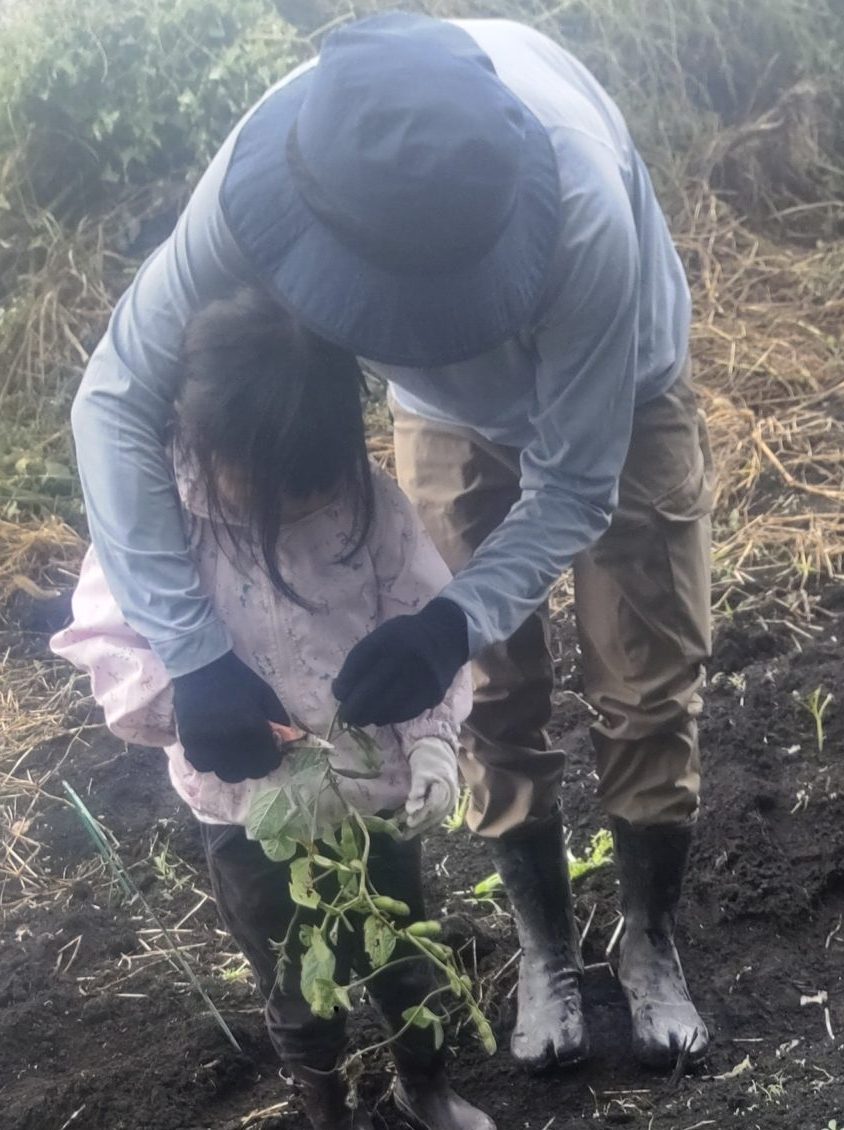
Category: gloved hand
[223,711]
[404,667]
[433,785]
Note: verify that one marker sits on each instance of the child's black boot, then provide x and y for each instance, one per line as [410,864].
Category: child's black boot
[325,1095]
[423,1093]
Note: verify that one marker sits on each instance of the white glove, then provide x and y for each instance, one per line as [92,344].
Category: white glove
[434,788]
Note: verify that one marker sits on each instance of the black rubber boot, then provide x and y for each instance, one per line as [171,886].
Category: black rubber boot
[325,1097]
[651,863]
[423,1093]
[550,1030]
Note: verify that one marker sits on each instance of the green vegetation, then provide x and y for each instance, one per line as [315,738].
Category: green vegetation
[110,113]
[308,822]
[596,856]
[697,80]
[817,704]
[99,93]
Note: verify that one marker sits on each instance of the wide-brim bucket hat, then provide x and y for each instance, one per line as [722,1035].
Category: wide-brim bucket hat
[397,196]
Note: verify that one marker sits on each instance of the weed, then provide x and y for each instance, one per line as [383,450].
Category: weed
[236,973]
[165,864]
[817,704]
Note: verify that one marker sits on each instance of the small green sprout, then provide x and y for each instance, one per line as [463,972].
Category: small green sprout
[817,704]
[597,855]
[457,819]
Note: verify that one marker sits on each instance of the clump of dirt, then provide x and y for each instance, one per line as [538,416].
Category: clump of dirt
[99,1031]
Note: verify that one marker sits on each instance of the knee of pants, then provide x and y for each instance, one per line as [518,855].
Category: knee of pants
[647,708]
[510,787]
[652,781]
[299,1037]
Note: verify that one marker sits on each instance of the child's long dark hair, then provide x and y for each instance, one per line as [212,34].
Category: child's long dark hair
[273,411]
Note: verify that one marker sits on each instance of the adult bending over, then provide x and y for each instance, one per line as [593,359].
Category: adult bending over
[461,205]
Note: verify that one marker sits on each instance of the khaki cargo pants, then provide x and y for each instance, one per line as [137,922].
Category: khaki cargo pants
[642,604]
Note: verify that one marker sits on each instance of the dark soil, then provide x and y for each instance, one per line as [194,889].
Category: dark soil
[95,1036]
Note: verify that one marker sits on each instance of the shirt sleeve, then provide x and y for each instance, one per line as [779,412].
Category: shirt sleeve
[581,420]
[120,418]
[128,680]
[410,572]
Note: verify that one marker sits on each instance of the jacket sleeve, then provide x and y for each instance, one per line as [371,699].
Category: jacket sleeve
[410,572]
[120,417]
[581,421]
[128,680]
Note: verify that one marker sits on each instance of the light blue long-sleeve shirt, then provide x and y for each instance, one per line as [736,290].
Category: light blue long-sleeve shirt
[613,332]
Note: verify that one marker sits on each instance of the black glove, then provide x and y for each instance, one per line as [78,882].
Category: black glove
[222,711]
[404,667]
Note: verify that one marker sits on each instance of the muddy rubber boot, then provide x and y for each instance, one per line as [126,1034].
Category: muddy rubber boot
[651,863]
[550,1030]
[324,1096]
[422,1092]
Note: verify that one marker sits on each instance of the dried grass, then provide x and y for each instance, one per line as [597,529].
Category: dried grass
[60,298]
[39,701]
[769,358]
[35,554]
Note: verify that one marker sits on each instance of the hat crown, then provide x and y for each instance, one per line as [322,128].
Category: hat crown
[407,144]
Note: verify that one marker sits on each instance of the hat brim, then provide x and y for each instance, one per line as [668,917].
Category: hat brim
[412,320]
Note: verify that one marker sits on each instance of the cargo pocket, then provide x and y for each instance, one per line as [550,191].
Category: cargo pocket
[693,497]
[683,515]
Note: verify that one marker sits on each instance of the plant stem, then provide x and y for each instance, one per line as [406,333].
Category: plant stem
[391,1039]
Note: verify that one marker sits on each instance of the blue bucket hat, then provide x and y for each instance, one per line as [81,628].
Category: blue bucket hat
[397,196]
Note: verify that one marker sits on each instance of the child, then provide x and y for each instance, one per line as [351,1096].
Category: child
[303,548]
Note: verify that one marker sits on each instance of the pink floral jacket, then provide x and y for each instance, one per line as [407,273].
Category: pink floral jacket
[297,650]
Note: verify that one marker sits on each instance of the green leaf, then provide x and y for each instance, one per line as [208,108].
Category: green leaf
[328,836]
[379,941]
[322,998]
[277,813]
[318,959]
[420,1016]
[269,814]
[305,759]
[599,855]
[302,889]
[342,995]
[279,849]
[488,886]
[317,978]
